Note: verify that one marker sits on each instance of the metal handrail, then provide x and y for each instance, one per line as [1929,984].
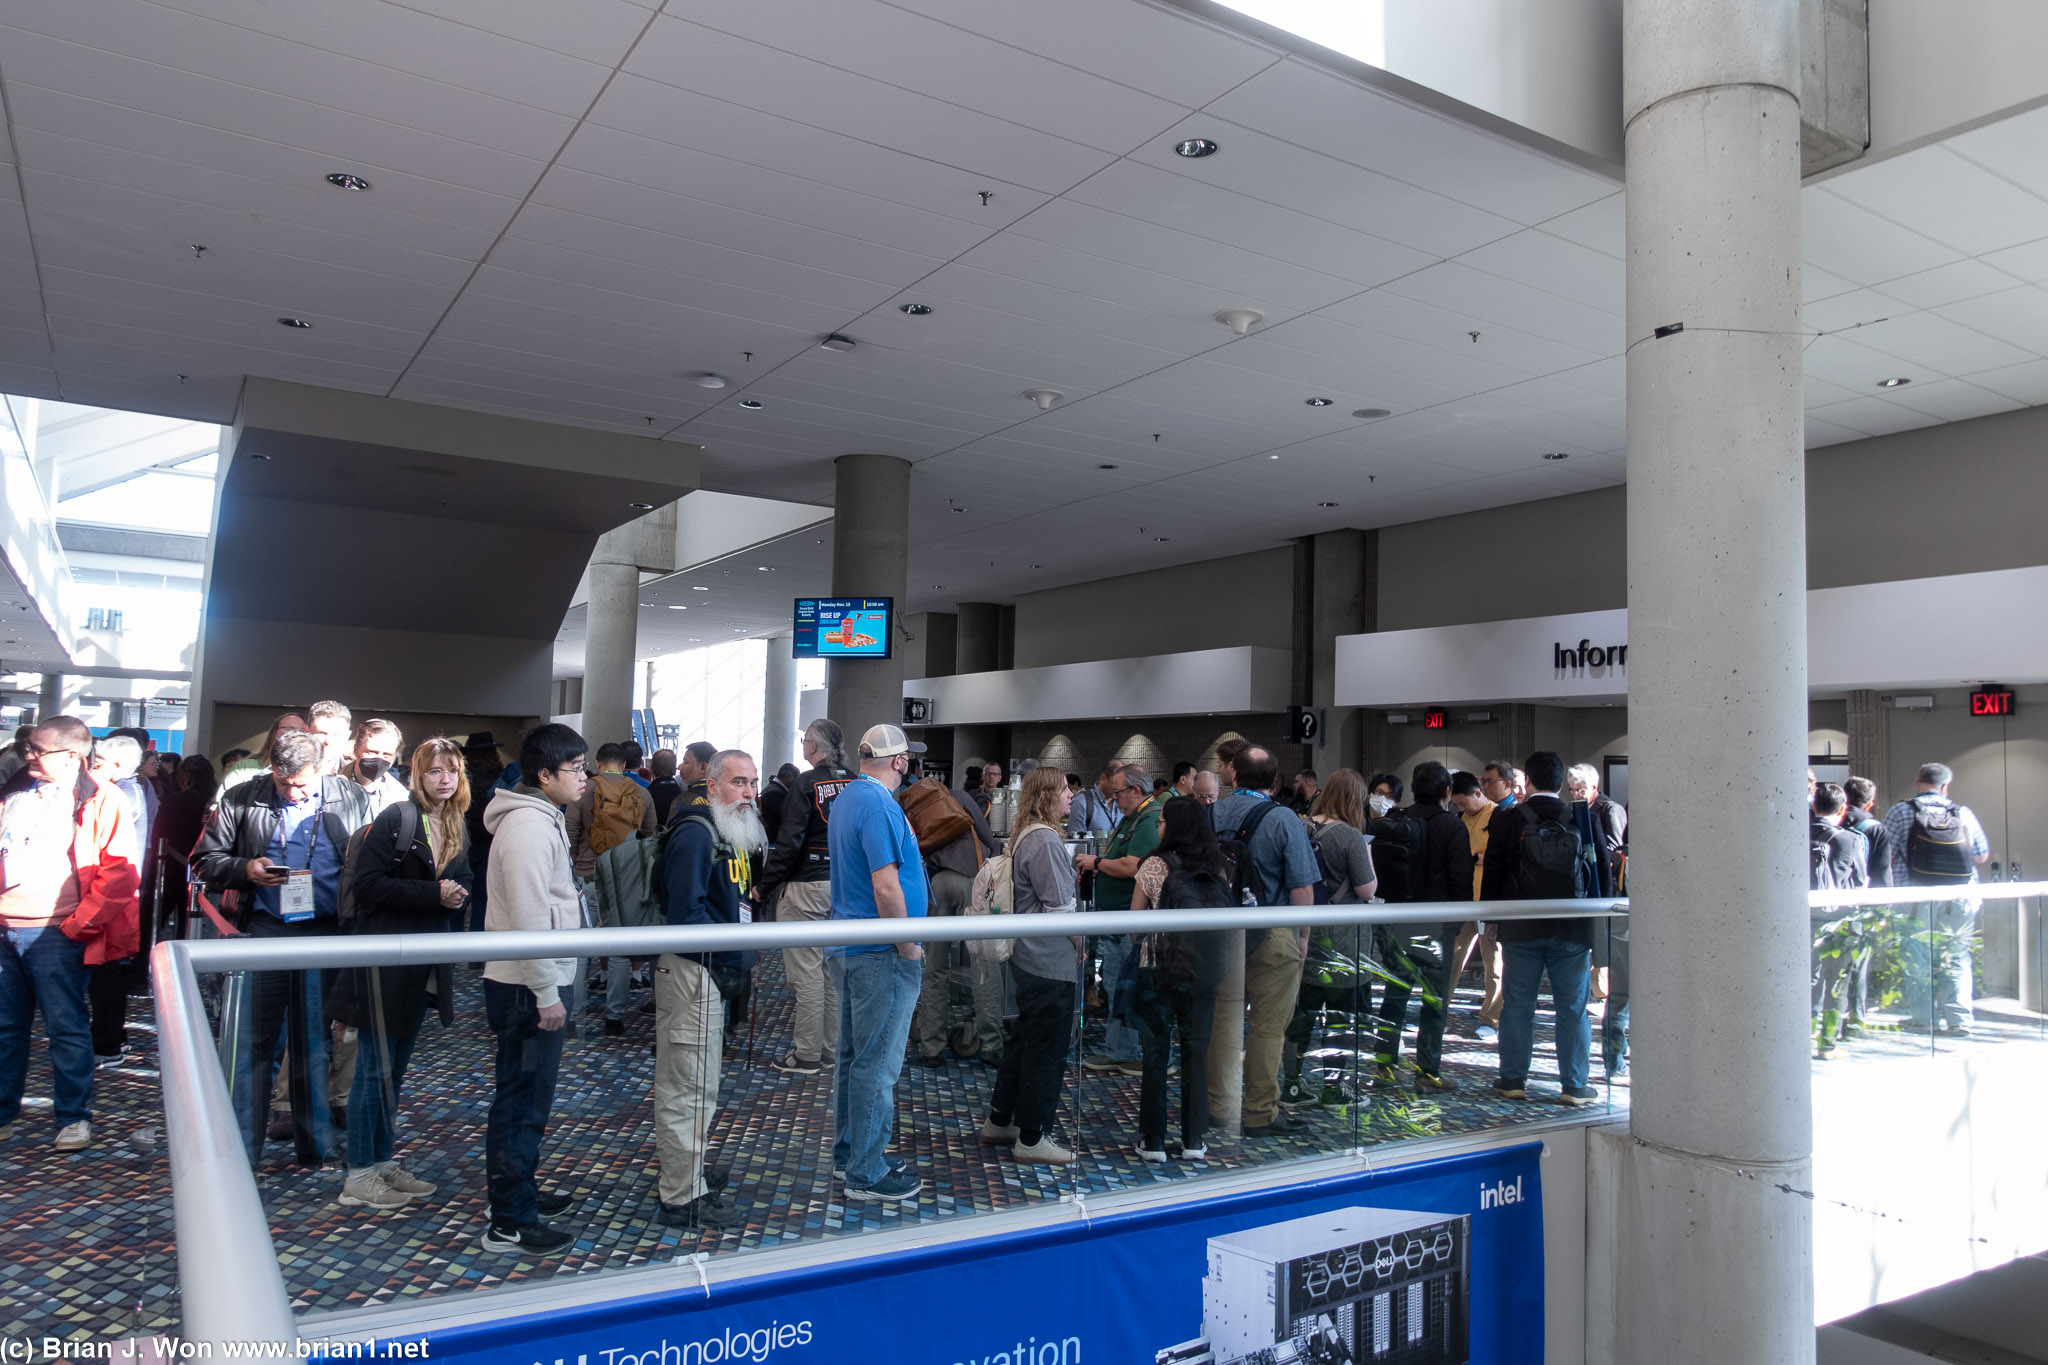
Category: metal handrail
[1918,895]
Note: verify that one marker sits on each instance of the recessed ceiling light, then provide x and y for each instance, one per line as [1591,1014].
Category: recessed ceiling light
[1321,402]
[1272,457]
[641,506]
[299,323]
[751,404]
[1370,412]
[1034,566]
[938,587]
[1108,466]
[707,380]
[1558,455]
[1045,398]
[677,606]
[698,587]
[1893,383]
[1326,504]
[763,568]
[1195,147]
[1161,540]
[916,310]
[836,342]
[254,455]
[343,180]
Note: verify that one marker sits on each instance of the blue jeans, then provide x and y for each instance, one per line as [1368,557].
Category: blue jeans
[1120,1040]
[1939,985]
[877,994]
[1570,965]
[42,969]
[528,1059]
[260,1009]
[381,1060]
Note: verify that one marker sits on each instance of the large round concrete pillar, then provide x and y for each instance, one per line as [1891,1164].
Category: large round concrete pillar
[778,711]
[1711,1259]
[870,555]
[611,636]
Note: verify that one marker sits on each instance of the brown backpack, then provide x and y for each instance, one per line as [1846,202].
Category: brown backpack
[617,807]
[935,816]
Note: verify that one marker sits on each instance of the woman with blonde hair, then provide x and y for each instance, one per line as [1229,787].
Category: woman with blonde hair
[411,876]
[1046,972]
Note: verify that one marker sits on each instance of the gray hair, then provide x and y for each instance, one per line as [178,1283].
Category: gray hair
[294,751]
[1936,774]
[1585,773]
[1135,776]
[826,734]
[121,750]
[715,768]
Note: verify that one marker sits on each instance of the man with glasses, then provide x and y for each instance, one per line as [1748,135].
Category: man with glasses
[1497,783]
[1116,872]
[532,887]
[67,904]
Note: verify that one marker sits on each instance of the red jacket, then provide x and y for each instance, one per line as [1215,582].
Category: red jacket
[108,919]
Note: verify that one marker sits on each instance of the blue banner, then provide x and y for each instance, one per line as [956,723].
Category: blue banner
[1436,1263]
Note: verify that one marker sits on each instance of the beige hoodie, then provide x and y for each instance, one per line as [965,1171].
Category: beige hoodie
[531,886]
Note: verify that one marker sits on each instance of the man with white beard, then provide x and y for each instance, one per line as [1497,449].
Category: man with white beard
[707,861]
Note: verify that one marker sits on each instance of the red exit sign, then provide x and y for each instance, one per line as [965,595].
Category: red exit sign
[1991,701]
[1435,719]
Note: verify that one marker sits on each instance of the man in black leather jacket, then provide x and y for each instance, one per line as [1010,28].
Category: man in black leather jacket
[799,863]
[277,842]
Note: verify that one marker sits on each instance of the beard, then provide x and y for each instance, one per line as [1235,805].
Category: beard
[739,824]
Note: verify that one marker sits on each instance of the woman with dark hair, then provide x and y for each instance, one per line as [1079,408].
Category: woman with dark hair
[1178,974]
[411,877]
[180,817]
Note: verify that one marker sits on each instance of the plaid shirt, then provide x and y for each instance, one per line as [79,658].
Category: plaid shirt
[1898,824]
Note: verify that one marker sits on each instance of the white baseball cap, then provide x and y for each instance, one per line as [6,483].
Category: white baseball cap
[886,741]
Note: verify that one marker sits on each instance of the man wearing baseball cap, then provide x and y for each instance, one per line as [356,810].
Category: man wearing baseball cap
[877,872]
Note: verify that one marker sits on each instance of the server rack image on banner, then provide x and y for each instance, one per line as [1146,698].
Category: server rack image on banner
[1349,1287]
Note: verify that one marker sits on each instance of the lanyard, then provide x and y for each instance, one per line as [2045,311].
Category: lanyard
[317,819]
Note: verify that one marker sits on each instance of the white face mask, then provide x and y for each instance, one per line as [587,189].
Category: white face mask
[1380,803]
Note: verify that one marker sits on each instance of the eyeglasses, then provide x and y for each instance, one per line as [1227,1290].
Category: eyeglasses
[580,767]
[35,751]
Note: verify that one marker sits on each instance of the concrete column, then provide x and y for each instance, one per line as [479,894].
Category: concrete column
[609,642]
[53,698]
[870,555]
[778,711]
[977,637]
[1866,741]
[1701,1218]
[1517,733]
[1344,600]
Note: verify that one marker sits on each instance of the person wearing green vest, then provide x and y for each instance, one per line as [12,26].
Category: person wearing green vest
[1116,872]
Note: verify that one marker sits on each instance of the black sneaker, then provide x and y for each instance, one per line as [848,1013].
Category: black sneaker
[1295,1095]
[614,1028]
[716,1178]
[1281,1126]
[1511,1090]
[932,1060]
[894,1187]
[705,1211]
[1578,1096]
[1429,1084]
[534,1237]
[554,1203]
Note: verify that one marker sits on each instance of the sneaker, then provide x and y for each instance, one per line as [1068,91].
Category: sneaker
[1578,1096]
[1295,1095]
[1426,1084]
[554,1203]
[1044,1152]
[993,1135]
[534,1237]
[1511,1090]
[892,1188]
[930,1061]
[795,1065]
[894,1163]
[371,1191]
[280,1125]
[1101,1064]
[647,1007]
[1134,1067]
[102,1060]
[74,1136]
[1383,1076]
[1618,1070]
[1486,1033]
[710,1210]
[6,1131]
[1199,1152]
[1163,1153]
[402,1180]
[614,1028]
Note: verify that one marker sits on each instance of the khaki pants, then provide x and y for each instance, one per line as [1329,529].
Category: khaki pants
[689,1045]
[950,891]
[817,998]
[1471,941]
[1272,982]
[341,1066]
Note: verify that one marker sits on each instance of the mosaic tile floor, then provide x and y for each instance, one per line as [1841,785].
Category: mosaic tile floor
[89,1233]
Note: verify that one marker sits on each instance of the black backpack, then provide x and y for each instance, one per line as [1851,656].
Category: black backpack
[1185,955]
[1400,849]
[1551,861]
[1236,848]
[1821,861]
[1324,877]
[347,914]
[732,973]
[1938,845]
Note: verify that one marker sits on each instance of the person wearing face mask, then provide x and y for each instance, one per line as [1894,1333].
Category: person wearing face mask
[377,743]
[411,877]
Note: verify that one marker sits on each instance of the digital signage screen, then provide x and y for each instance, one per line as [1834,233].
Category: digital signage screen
[842,627]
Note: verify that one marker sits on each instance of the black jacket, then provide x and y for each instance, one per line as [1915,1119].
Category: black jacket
[1877,844]
[1847,852]
[801,852]
[1500,878]
[1446,855]
[398,893]
[244,819]
[664,790]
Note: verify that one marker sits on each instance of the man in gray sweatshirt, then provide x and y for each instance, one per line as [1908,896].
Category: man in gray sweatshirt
[532,887]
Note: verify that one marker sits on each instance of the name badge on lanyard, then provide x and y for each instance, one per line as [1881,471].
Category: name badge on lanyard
[295,897]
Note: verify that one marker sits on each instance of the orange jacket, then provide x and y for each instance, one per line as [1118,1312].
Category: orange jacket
[108,919]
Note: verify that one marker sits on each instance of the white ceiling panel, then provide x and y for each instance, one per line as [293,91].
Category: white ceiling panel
[1953,400]
[2015,148]
[1488,298]
[1191,305]
[1601,225]
[597,31]
[579,272]
[1943,197]
[1329,114]
[1063,310]
[754,76]
[1842,361]
[1274,171]
[1951,283]
[1188,205]
[1852,243]
[1556,266]
[1405,336]
[2028,263]
[237,286]
[2017,316]
[1313,358]
[1871,416]
[1938,346]
[956,65]
[2026,383]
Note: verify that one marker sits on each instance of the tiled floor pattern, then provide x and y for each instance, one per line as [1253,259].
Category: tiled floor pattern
[89,1234]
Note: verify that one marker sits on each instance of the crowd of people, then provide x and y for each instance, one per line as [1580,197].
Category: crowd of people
[317,834]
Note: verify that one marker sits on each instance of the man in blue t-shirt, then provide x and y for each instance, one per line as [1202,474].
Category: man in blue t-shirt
[877,873]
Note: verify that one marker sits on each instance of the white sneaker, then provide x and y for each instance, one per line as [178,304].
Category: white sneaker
[402,1180]
[370,1190]
[1195,1153]
[74,1136]
[1044,1152]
